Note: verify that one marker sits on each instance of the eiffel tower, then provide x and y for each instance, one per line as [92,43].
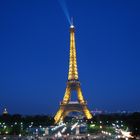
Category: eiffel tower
[73,84]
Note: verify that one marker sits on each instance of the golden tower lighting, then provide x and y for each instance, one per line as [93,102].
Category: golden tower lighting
[73,84]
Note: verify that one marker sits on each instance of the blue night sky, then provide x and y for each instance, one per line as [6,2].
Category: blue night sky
[34,54]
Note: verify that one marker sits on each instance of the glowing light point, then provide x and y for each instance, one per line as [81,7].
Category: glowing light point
[71,26]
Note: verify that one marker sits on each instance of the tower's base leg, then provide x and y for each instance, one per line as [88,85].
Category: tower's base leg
[58,117]
[87,112]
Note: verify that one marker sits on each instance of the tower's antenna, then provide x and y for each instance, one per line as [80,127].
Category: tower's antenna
[71,23]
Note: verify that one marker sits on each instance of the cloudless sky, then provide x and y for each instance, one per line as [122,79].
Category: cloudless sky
[34,54]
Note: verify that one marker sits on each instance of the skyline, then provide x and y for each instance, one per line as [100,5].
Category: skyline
[34,54]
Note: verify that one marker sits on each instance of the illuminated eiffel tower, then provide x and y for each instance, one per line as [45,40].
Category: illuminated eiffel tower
[73,84]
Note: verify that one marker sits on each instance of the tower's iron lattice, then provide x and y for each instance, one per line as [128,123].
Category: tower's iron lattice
[73,84]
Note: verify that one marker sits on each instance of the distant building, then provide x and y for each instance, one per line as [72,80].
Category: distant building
[96,111]
[5,112]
